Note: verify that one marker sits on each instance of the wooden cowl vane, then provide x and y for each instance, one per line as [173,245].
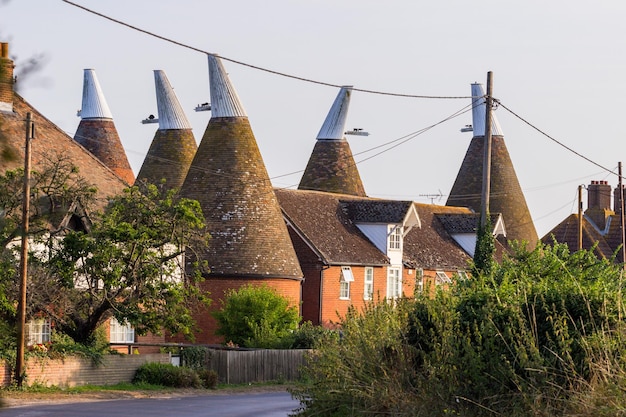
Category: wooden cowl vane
[506,195]
[174,145]
[331,167]
[96,130]
[249,238]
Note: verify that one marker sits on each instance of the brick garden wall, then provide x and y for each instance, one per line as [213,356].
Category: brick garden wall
[75,371]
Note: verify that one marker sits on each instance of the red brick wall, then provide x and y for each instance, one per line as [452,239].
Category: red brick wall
[6,76]
[74,371]
[207,325]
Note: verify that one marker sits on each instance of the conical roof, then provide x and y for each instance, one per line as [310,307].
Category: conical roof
[174,145]
[249,237]
[506,195]
[331,167]
[96,130]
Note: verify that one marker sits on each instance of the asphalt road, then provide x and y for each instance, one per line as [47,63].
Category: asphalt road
[274,404]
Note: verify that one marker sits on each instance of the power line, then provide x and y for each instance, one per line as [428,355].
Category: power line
[234,61]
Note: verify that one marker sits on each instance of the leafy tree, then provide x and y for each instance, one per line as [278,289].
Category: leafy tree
[485,248]
[129,266]
[257,316]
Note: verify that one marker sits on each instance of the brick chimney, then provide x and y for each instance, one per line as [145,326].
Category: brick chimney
[616,202]
[6,79]
[599,203]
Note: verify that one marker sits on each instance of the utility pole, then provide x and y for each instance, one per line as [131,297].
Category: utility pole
[19,363]
[580,217]
[621,213]
[484,204]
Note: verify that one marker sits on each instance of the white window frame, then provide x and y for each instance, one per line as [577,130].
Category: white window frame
[344,283]
[394,283]
[442,277]
[121,333]
[368,283]
[419,280]
[38,331]
[462,274]
[395,238]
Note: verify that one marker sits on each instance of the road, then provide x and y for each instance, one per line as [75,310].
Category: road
[274,404]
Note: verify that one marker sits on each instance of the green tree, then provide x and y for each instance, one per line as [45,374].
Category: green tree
[129,265]
[257,316]
[483,261]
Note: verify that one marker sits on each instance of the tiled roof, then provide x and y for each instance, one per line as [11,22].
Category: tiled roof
[567,232]
[430,246]
[320,219]
[463,222]
[331,167]
[50,142]
[506,195]
[377,211]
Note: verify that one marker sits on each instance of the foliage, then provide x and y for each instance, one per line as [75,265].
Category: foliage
[257,316]
[168,375]
[542,335]
[308,336]
[208,377]
[362,371]
[195,357]
[129,265]
[483,261]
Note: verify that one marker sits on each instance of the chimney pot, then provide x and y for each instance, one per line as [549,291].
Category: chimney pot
[5,50]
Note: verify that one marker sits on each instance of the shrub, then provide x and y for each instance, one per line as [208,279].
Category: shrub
[257,317]
[167,375]
[195,357]
[208,377]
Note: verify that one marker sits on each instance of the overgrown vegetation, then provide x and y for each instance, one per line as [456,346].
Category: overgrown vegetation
[257,317]
[541,335]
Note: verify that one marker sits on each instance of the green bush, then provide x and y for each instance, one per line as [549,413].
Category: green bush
[167,375]
[195,357]
[308,336]
[208,377]
[257,317]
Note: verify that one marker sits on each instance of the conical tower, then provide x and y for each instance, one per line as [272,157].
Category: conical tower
[331,167]
[96,130]
[173,146]
[249,238]
[506,195]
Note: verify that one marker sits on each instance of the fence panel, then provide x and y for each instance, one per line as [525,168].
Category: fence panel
[264,365]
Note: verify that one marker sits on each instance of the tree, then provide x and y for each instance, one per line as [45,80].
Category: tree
[483,261]
[257,317]
[128,266]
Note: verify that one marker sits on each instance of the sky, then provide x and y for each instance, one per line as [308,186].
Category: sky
[558,69]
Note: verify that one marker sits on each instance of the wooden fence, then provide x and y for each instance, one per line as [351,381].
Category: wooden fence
[246,366]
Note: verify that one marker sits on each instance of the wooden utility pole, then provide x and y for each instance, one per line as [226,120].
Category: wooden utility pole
[19,362]
[621,213]
[580,217]
[484,212]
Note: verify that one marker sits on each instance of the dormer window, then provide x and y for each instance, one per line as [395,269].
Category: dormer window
[395,238]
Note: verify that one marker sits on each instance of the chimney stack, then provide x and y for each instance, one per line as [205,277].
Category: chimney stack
[6,79]
[599,203]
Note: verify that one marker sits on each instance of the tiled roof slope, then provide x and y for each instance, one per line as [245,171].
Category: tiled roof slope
[463,223]
[51,141]
[322,220]
[377,211]
[506,195]
[567,232]
[228,177]
[430,246]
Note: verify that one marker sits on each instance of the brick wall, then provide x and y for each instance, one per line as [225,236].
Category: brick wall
[74,371]
[6,75]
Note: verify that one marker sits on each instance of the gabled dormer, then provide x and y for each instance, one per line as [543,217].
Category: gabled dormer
[463,228]
[385,223]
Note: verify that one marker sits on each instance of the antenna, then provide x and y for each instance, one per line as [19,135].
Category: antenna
[432,197]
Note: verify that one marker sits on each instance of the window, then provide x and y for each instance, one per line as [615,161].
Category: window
[419,281]
[395,238]
[442,278]
[37,331]
[344,283]
[462,275]
[368,283]
[394,283]
[121,333]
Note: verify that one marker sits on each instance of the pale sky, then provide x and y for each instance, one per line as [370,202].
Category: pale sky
[560,65]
